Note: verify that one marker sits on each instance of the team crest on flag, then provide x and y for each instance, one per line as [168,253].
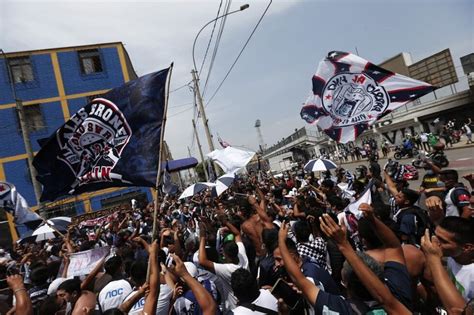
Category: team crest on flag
[92,141]
[350,94]
[112,141]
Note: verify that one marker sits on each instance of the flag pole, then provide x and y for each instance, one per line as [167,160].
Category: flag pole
[45,221]
[160,158]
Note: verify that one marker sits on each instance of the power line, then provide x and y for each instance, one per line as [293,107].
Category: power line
[216,45]
[210,39]
[181,105]
[240,53]
[178,113]
[179,88]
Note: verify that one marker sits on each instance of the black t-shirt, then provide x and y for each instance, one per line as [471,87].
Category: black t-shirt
[399,282]
[267,275]
[320,276]
[327,303]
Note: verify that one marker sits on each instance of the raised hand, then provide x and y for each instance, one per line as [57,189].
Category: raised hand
[334,231]
[367,210]
[282,234]
[179,269]
[430,246]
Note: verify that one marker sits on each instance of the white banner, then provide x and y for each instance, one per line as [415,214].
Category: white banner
[82,263]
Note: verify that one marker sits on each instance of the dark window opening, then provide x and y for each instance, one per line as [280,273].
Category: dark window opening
[90,61]
[21,69]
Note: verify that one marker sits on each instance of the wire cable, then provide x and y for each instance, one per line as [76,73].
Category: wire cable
[216,45]
[182,86]
[240,53]
[210,39]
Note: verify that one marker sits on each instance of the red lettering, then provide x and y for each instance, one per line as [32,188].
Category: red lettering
[105,173]
[359,79]
[98,129]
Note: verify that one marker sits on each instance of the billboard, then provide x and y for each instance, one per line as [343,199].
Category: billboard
[467,63]
[398,64]
[437,69]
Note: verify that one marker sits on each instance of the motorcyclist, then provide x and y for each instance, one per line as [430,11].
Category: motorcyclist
[407,146]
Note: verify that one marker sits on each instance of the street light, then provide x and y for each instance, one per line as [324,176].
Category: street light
[243,7]
[196,78]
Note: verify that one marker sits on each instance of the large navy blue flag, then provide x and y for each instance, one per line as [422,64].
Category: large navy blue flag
[112,141]
[350,94]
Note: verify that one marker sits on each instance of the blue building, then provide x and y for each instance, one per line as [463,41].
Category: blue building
[53,84]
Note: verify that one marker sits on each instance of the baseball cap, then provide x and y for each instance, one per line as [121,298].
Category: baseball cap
[191,268]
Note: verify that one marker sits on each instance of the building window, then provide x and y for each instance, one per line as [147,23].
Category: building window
[21,69]
[90,61]
[67,209]
[34,119]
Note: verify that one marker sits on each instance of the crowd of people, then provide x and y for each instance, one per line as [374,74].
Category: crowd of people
[299,244]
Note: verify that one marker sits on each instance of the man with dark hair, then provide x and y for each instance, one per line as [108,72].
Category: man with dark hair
[251,299]
[411,221]
[68,292]
[115,291]
[315,249]
[235,257]
[456,240]
[266,274]
[113,271]
[39,291]
[319,276]
[457,196]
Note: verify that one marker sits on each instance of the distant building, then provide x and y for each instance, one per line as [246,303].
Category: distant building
[53,84]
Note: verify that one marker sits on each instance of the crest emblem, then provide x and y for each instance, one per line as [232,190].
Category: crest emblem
[353,98]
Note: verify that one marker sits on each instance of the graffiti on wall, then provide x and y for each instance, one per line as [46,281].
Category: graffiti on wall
[396,135]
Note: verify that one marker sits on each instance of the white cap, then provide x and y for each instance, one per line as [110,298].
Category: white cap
[191,268]
[53,287]
[113,294]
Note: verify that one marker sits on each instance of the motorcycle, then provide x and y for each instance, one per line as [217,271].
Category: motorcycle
[411,173]
[437,156]
[401,153]
[456,136]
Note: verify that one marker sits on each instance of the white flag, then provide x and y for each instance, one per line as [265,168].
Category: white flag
[14,203]
[366,197]
[231,159]
[350,94]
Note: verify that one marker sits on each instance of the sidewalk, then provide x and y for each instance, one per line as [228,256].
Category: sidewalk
[456,146]
[460,145]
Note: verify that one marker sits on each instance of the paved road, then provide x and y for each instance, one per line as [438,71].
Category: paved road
[461,159]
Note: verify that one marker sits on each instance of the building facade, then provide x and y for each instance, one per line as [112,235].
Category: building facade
[52,85]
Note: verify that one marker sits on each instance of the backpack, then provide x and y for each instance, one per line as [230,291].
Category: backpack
[422,223]
[453,199]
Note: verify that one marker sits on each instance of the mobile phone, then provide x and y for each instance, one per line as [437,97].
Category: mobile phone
[283,290]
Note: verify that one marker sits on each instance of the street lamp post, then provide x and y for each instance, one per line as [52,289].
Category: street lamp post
[24,130]
[195,75]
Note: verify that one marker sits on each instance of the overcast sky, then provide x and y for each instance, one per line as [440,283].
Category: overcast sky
[273,76]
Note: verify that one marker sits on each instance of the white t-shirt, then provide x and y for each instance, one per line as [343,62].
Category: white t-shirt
[463,278]
[114,293]
[224,272]
[265,299]
[163,301]
[467,129]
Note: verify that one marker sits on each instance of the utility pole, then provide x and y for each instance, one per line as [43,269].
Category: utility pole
[200,151]
[189,170]
[24,131]
[201,110]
